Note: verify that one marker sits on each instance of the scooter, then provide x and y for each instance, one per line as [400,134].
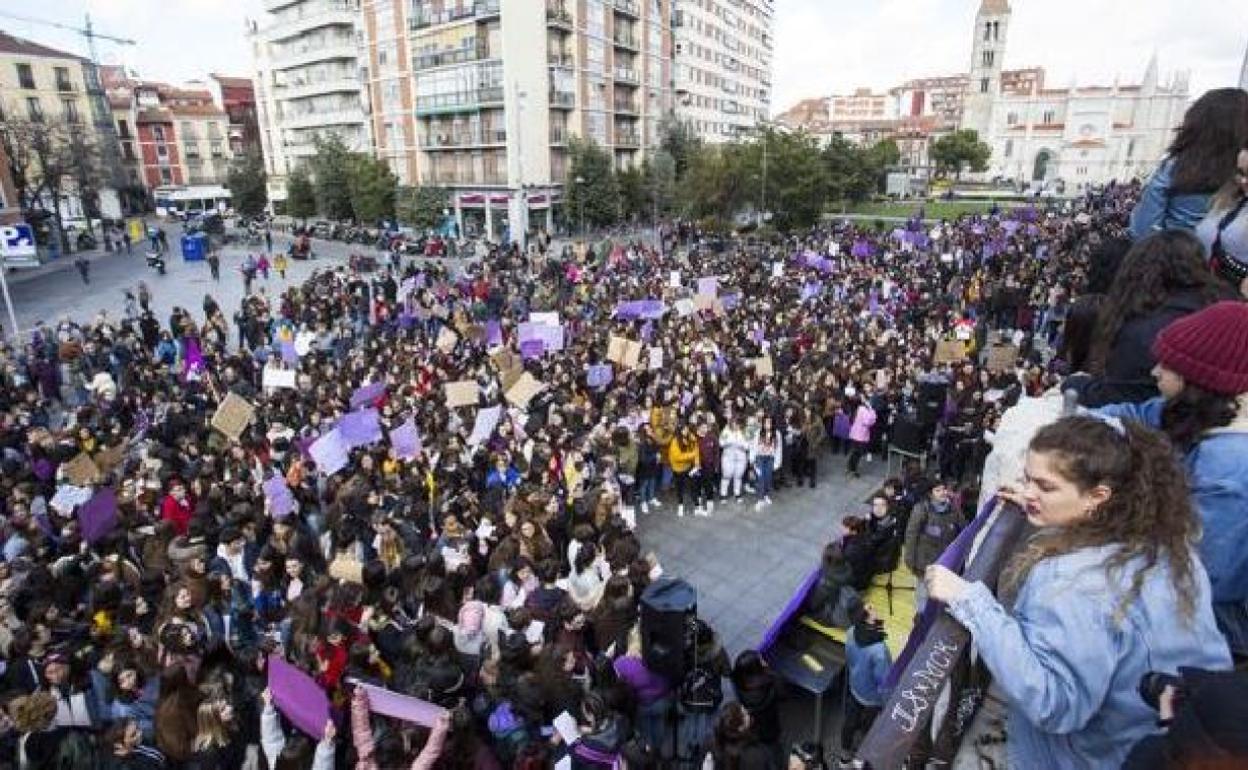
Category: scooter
[157,260]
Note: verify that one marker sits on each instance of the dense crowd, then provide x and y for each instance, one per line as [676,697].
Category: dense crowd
[430,482]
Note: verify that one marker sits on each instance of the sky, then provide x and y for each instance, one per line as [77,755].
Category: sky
[822,46]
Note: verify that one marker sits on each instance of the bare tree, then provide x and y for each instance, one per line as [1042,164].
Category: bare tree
[47,158]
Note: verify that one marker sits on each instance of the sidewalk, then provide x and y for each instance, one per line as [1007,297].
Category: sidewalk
[19,275]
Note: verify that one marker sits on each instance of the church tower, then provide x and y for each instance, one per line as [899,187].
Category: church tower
[987,57]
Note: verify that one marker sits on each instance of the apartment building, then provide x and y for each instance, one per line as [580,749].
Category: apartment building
[308,81]
[481,96]
[237,96]
[723,55]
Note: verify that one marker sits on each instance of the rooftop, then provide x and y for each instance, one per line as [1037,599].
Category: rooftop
[22,47]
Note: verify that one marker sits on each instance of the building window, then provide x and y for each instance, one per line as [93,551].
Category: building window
[123,129]
[1011,118]
[1048,117]
[25,76]
[1009,148]
[1130,148]
[988,31]
[70,108]
[166,176]
[62,80]
[159,133]
[983,85]
[34,109]
[988,57]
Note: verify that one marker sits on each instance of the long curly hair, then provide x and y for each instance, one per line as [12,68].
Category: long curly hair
[1214,129]
[1154,269]
[1188,416]
[1149,514]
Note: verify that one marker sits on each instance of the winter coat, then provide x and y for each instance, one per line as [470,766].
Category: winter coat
[682,458]
[708,453]
[733,442]
[864,418]
[929,532]
[776,450]
[868,661]
[1070,670]
[1159,209]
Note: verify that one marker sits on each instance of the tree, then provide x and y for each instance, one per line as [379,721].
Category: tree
[331,169]
[596,198]
[634,202]
[83,164]
[958,151]
[678,140]
[849,174]
[300,195]
[248,184]
[796,182]
[422,207]
[372,187]
[661,182]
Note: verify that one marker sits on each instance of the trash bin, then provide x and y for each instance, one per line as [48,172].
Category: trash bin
[194,247]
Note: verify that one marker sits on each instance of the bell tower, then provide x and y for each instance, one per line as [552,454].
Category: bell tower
[992,23]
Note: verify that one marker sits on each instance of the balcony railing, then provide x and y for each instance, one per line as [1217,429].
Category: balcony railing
[558,135]
[426,61]
[466,178]
[627,75]
[557,16]
[626,40]
[444,140]
[454,102]
[562,99]
[564,60]
[625,107]
[423,19]
[625,138]
[628,7]
[297,89]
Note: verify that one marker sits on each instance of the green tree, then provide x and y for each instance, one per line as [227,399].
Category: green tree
[248,183]
[372,186]
[714,184]
[422,207]
[850,175]
[678,140]
[634,200]
[959,151]
[661,182]
[300,195]
[331,170]
[596,198]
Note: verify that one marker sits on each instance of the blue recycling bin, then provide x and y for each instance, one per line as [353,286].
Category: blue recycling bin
[195,247]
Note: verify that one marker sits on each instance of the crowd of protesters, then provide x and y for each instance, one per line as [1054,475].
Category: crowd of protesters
[155,566]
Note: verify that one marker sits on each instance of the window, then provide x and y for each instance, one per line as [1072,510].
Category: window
[123,129]
[1048,117]
[70,108]
[159,133]
[166,176]
[1009,148]
[33,108]
[25,76]
[983,85]
[988,31]
[62,80]
[1011,118]
[1130,148]
[988,57]
[216,149]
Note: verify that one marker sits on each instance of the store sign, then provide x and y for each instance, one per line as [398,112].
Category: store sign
[17,246]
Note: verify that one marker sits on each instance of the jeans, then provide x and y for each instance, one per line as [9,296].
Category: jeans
[646,489]
[764,466]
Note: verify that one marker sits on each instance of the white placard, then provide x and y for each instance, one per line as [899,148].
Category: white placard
[279,378]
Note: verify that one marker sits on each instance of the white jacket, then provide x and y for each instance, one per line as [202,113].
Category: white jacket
[777,451]
[732,440]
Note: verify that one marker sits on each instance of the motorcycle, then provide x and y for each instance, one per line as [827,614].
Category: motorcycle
[157,260]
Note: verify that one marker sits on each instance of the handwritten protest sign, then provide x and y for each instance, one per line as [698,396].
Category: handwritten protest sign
[360,428]
[1002,358]
[278,378]
[763,366]
[281,501]
[447,340]
[950,351]
[487,420]
[632,355]
[82,470]
[233,416]
[330,452]
[462,393]
[406,440]
[523,391]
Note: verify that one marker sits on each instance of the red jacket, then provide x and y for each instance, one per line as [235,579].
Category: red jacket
[177,513]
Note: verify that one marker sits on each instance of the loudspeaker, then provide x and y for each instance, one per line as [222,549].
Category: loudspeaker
[931,399]
[669,607]
[909,436]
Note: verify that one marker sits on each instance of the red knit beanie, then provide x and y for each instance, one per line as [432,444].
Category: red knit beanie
[1208,349]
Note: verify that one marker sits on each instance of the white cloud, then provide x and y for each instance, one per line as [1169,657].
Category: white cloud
[835,46]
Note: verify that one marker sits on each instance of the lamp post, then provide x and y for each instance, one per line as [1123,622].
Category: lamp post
[580,200]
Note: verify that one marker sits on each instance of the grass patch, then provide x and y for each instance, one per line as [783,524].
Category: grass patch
[940,209]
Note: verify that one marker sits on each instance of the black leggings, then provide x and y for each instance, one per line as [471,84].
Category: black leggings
[681,481]
[857,450]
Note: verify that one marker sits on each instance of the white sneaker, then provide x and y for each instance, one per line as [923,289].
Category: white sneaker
[645,508]
[710,506]
[680,511]
[767,499]
[758,506]
[657,504]
[697,510]
[870,457]
[703,512]
[737,499]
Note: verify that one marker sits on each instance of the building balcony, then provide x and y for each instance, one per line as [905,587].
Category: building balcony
[557,16]
[562,100]
[627,8]
[627,76]
[299,89]
[459,102]
[463,179]
[326,16]
[447,140]
[311,53]
[627,138]
[626,40]
[326,118]
[559,134]
[625,107]
[277,5]
[561,60]
[480,9]
[426,61]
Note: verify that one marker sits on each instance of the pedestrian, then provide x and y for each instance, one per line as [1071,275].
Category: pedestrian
[125,238]
[934,523]
[262,265]
[268,242]
[163,239]
[84,268]
[859,430]
[132,307]
[280,264]
[868,661]
[214,265]
[1108,589]
[145,296]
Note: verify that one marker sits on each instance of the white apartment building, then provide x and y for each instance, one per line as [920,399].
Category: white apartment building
[308,81]
[723,54]
[481,96]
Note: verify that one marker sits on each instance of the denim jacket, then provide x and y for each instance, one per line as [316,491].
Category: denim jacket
[1158,209]
[1070,670]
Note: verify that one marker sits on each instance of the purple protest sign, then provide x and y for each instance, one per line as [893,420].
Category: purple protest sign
[757,336]
[330,452]
[192,359]
[493,333]
[647,331]
[398,706]
[367,394]
[708,287]
[298,697]
[289,354]
[811,289]
[406,440]
[651,309]
[98,516]
[281,501]
[532,348]
[730,301]
[551,336]
[599,376]
[360,427]
[862,248]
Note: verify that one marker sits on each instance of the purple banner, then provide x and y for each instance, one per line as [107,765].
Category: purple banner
[367,394]
[299,697]
[360,428]
[406,440]
[98,516]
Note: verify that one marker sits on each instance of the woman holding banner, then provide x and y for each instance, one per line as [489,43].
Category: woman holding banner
[1108,589]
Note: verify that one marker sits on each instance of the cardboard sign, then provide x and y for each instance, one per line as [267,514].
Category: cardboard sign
[706,302]
[763,366]
[632,355]
[233,416]
[346,569]
[504,360]
[523,391]
[656,358]
[950,351]
[82,470]
[510,377]
[1001,358]
[109,459]
[447,340]
[616,348]
[462,393]
[278,378]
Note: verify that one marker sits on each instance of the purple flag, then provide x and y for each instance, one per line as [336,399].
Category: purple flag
[709,286]
[281,501]
[289,354]
[360,427]
[98,516]
[367,394]
[406,440]
[330,452]
[532,348]
[192,359]
[599,376]
[493,333]
[397,706]
[299,697]
[730,301]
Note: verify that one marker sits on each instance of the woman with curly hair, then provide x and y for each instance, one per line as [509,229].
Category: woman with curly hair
[1199,161]
[1162,278]
[1107,589]
[1202,373]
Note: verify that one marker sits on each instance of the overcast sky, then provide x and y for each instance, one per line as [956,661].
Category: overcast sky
[823,46]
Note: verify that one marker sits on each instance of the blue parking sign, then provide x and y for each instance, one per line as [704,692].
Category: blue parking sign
[17,245]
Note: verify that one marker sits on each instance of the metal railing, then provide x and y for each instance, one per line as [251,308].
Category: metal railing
[565,99]
[429,18]
[625,40]
[565,60]
[626,106]
[462,100]
[455,56]
[557,15]
[451,139]
[629,7]
[627,75]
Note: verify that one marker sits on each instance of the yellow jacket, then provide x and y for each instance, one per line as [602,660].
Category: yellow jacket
[682,460]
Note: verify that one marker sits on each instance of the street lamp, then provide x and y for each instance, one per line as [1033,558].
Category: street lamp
[580,199]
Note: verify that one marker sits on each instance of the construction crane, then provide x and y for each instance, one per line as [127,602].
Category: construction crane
[87,31]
